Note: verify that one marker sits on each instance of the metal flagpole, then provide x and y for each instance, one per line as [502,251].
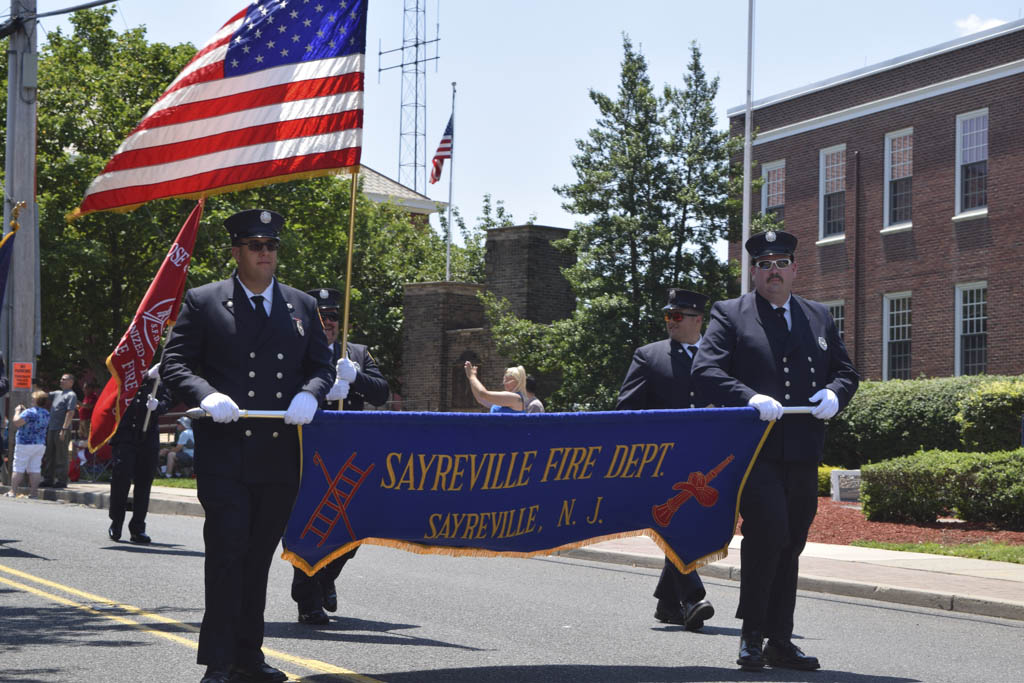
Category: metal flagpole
[451,172]
[348,266]
[747,152]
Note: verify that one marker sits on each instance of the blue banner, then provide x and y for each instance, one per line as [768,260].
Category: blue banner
[519,484]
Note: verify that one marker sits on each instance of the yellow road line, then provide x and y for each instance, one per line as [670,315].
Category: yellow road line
[311,664]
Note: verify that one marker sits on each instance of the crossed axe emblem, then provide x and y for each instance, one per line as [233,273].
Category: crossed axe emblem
[695,486]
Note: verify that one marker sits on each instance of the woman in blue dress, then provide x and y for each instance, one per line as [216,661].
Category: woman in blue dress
[514,399]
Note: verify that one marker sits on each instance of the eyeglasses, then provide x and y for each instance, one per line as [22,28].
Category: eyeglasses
[330,315]
[257,246]
[678,316]
[778,263]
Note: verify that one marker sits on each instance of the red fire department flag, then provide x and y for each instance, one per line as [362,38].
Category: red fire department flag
[134,353]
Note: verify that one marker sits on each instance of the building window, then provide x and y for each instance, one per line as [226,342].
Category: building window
[896,331]
[773,192]
[837,309]
[972,328]
[832,196]
[899,172]
[972,161]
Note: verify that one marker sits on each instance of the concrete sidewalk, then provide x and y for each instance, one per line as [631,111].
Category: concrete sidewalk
[994,589]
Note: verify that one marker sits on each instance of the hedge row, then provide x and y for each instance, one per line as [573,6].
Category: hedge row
[975,487]
[899,417]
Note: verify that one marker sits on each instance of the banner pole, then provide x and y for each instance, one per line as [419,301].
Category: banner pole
[348,266]
[451,174]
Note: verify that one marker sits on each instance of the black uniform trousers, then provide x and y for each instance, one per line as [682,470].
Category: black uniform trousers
[134,461]
[309,591]
[244,523]
[778,505]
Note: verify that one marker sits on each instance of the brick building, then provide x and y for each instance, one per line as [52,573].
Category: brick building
[904,182]
[444,322]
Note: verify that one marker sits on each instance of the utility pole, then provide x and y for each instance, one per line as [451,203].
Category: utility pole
[22,300]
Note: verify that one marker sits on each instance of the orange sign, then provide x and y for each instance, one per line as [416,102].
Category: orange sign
[21,374]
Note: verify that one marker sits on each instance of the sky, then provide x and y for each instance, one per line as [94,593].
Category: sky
[524,69]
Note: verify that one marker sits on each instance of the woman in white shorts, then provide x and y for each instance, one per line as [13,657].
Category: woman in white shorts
[30,441]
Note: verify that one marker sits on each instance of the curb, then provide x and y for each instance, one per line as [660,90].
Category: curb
[102,501]
[950,602]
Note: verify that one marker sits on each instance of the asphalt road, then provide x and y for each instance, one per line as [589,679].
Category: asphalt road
[76,607]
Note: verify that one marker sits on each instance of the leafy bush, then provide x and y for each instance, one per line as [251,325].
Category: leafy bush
[990,415]
[977,487]
[825,480]
[899,417]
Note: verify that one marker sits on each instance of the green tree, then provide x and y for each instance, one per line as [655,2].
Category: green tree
[652,183]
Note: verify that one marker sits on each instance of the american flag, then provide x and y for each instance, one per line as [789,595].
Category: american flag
[444,151]
[275,95]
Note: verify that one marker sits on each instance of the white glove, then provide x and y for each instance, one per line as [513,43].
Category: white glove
[301,410]
[153,372]
[768,407]
[347,370]
[152,404]
[339,391]
[829,405]
[220,407]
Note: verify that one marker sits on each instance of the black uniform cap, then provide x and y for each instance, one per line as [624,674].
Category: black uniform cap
[325,298]
[771,242]
[684,298]
[254,223]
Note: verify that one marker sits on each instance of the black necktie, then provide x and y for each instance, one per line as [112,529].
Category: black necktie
[781,312]
[261,310]
[692,350]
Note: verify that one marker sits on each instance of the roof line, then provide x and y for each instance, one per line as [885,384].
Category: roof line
[932,51]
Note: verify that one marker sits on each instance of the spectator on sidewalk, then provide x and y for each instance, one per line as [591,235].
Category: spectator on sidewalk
[90,395]
[58,434]
[182,453]
[135,456]
[30,442]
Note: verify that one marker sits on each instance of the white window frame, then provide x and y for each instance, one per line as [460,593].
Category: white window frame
[958,319]
[837,302]
[765,169]
[958,214]
[822,153]
[888,227]
[887,300]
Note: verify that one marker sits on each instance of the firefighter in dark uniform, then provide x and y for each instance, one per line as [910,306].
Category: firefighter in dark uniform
[135,458]
[247,342]
[317,593]
[768,349]
[659,379]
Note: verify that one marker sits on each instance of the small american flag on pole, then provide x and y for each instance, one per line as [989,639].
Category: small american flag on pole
[444,151]
[275,95]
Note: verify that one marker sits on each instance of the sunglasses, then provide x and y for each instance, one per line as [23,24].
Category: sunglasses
[678,316]
[778,263]
[257,246]
[330,315]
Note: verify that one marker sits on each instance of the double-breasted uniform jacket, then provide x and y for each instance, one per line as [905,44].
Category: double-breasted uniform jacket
[220,345]
[659,379]
[369,385]
[747,350]
[129,429]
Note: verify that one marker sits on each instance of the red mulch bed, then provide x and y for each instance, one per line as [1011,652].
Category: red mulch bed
[843,523]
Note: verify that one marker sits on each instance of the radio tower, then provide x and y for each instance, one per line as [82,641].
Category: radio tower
[412,146]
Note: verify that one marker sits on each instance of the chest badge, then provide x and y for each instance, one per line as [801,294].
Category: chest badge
[298,326]
[823,344]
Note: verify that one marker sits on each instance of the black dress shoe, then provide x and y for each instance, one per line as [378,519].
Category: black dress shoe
[114,532]
[669,612]
[783,654]
[216,675]
[751,653]
[140,538]
[258,672]
[331,600]
[696,613]
[317,617]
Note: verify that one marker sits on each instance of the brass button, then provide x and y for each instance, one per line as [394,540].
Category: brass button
[785,369]
[251,393]
[280,356]
[814,384]
[252,373]
[275,435]
[248,432]
[812,369]
[252,354]
[279,394]
[785,360]
[787,397]
[280,375]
